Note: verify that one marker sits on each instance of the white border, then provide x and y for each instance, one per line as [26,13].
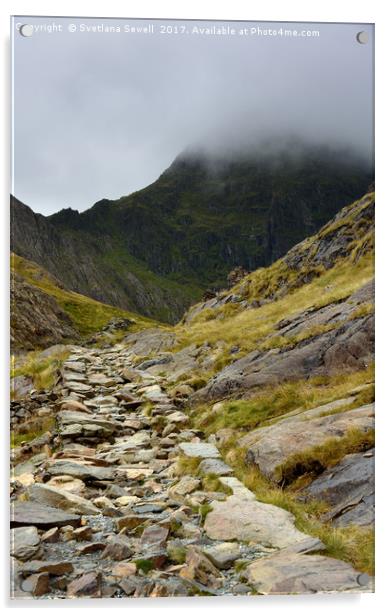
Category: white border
[284,10]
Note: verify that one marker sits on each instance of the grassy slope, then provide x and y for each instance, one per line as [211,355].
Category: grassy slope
[229,325]
[124,263]
[87,315]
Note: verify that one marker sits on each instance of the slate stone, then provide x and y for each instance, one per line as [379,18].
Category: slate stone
[251,520]
[223,555]
[80,471]
[199,450]
[61,499]
[25,513]
[25,542]
[87,585]
[349,488]
[215,467]
[289,573]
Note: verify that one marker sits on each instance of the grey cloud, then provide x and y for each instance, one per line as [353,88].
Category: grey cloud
[102,115]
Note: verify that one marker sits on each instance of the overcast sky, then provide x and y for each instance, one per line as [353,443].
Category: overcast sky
[100,115]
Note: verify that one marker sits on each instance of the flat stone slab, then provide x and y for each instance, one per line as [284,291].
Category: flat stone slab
[27,513]
[81,388]
[75,366]
[199,450]
[61,499]
[81,471]
[290,573]
[250,520]
[270,447]
[214,466]
[349,487]
[238,488]
[223,555]
[73,417]
[25,542]
[186,485]
[60,567]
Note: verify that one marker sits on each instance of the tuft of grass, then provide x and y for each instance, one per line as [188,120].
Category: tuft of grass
[144,564]
[176,553]
[353,544]
[212,483]
[30,430]
[203,511]
[315,460]
[276,400]
[43,371]
[187,466]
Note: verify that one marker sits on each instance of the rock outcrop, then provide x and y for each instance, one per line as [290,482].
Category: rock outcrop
[37,321]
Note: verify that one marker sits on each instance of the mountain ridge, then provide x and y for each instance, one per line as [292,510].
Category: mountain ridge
[157,250]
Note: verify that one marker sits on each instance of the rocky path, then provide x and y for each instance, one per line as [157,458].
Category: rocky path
[102,508]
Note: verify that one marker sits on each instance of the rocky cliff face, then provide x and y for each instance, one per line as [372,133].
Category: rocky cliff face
[44,312]
[157,250]
[37,321]
[81,261]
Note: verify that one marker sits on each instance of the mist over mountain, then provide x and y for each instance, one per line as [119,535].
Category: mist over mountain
[157,250]
[113,112]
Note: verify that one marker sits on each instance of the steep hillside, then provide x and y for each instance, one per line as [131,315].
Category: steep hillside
[244,437]
[96,265]
[156,250]
[44,313]
[307,315]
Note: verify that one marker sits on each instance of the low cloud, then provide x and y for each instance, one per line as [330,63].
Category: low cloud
[102,115]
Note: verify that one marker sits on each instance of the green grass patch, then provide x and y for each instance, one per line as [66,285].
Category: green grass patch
[30,430]
[144,564]
[87,315]
[276,400]
[42,370]
[203,511]
[187,466]
[314,460]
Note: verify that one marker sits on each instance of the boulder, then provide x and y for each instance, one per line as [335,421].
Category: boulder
[62,499]
[213,466]
[124,570]
[290,573]
[54,567]
[25,542]
[198,567]
[349,488]
[271,446]
[36,584]
[199,450]
[223,555]
[154,536]
[26,513]
[87,585]
[20,387]
[186,485]
[250,520]
[67,483]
